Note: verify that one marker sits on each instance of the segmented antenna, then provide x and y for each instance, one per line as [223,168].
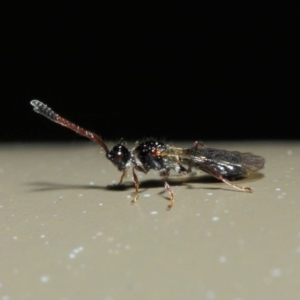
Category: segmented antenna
[44,110]
[47,112]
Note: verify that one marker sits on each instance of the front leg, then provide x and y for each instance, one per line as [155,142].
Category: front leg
[122,176]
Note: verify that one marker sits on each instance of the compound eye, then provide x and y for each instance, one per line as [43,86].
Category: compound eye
[119,156]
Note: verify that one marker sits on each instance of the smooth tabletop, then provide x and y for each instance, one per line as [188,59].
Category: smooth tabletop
[68,233]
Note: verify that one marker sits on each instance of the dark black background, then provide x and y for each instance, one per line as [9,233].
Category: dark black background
[137,70]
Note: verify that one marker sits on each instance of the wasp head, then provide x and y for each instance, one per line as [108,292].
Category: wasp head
[120,156]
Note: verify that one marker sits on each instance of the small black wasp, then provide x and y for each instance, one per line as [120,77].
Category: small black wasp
[152,154]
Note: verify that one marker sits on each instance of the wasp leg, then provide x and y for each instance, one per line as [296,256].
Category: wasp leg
[220,177]
[182,170]
[165,174]
[122,177]
[136,182]
[198,144]
[191,164]
[172,198]
[178,167]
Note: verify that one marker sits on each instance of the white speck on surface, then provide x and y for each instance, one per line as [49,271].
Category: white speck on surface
[100,204]
[154,213]
[289,152]
[215,219]
[222,259]
[127,247]
[42,236]
[44,278]
[146,195]
[15,237]
[298,250]
[209,194]
[80,195]
[100,233]
[84,211]
[210,295]
[278,189]
[113,182]
[91,183]
[5,297]
[276,272]
[75,251]
[60,197]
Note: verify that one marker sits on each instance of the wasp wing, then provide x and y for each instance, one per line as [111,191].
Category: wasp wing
[226,163]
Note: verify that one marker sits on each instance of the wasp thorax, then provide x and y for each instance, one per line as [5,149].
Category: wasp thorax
[149,155]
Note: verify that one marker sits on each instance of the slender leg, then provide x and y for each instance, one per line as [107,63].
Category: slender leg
[220,177]
[165,174]
[136,182]
[172,198]
[122,176]
[194,147]
[178,167]
[198,144]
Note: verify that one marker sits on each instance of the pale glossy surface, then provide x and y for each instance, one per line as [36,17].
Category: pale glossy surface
[65,235]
